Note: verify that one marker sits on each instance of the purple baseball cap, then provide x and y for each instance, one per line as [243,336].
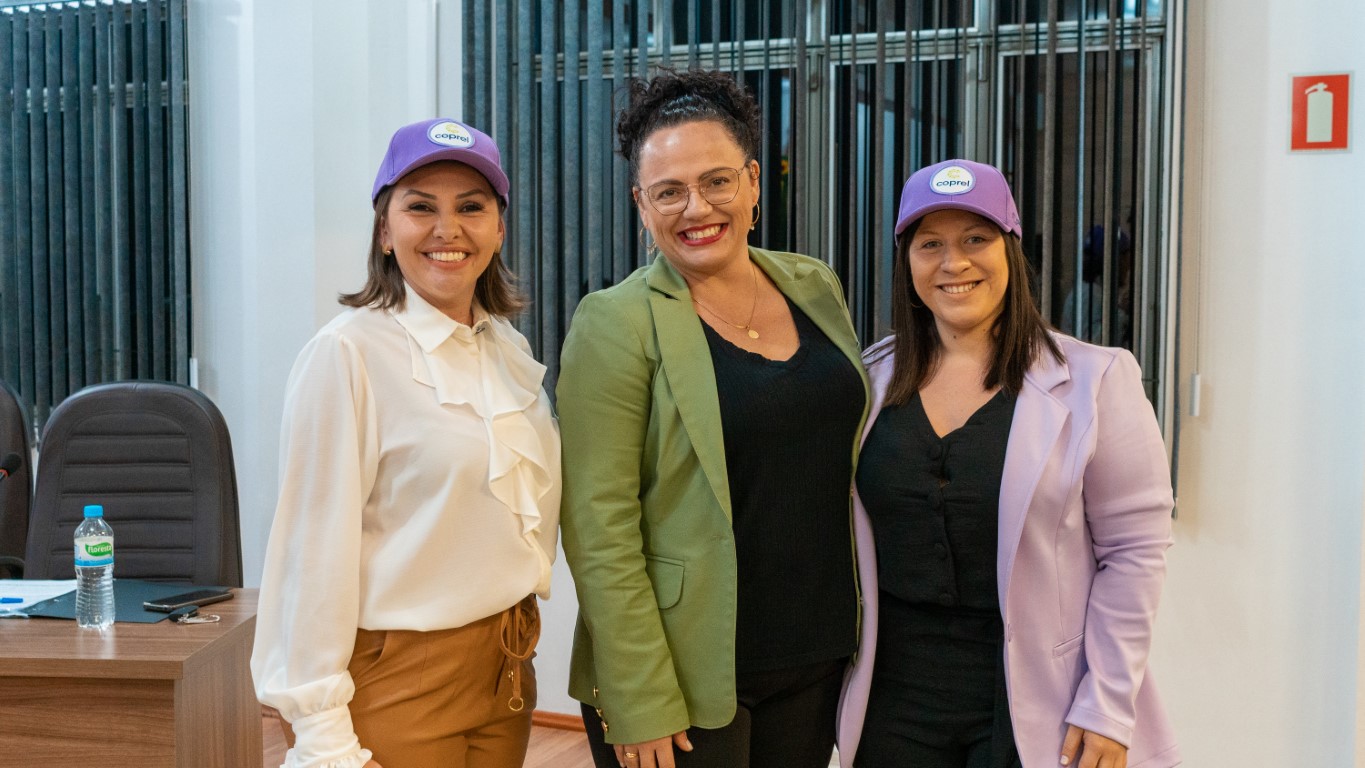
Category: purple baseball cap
[418,144]
[960,184]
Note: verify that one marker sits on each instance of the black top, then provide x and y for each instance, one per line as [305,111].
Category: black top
[789,429]
[934,503]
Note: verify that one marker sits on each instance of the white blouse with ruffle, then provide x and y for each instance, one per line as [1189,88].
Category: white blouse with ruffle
[419,489]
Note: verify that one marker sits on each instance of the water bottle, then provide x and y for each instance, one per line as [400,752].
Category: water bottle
[94,570]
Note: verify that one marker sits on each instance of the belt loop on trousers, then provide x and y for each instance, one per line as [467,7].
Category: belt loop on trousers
[518,633]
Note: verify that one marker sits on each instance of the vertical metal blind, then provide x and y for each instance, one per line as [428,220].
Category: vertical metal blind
[94,224]
[1065,95]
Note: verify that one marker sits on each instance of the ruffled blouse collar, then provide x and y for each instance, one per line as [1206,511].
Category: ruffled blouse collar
[501,388]
[430,327]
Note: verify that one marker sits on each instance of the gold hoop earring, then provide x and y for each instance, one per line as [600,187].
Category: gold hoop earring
[758,211]
[650,248]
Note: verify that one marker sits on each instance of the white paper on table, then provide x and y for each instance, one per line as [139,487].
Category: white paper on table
[30,592]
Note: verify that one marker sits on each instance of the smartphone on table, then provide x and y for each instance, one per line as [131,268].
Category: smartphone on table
[197,597]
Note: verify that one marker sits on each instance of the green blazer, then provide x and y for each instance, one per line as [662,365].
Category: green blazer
[646,505]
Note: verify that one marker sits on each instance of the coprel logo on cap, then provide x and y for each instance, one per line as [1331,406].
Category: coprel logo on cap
[450,134]
[953,180]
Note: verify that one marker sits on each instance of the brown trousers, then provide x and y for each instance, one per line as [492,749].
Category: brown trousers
[453,698]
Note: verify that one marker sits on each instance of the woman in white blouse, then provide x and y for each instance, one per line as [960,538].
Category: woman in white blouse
[419,490]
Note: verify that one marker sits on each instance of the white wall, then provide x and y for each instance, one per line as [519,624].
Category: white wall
[1258,640]
[292,105]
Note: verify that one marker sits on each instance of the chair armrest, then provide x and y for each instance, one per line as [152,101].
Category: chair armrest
[11,567]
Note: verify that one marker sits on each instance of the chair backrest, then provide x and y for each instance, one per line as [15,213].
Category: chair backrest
[157,456]
[16,491]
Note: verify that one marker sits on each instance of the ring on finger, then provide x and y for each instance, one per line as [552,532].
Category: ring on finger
[631,755]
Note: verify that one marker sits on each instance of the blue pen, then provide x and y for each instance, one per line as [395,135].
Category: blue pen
[11,600]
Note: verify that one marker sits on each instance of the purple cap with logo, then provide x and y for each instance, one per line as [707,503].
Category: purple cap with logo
[418,144]
[963,185]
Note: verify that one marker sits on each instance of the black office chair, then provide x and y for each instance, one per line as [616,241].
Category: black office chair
[16,491]
[157,456]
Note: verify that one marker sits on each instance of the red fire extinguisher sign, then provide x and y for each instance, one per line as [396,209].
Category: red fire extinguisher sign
[1322,111]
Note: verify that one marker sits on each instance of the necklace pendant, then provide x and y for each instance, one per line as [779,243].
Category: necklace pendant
[753,334]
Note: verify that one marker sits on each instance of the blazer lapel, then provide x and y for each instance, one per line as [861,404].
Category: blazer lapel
[686,360]
[809,291]
[1038,421]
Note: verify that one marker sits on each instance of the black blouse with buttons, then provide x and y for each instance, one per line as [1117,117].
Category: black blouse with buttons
[934,505]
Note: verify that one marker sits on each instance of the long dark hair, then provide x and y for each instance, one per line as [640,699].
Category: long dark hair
[495,290]
[1020,331]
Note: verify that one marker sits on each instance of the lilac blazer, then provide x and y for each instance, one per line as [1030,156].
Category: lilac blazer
[1085,520]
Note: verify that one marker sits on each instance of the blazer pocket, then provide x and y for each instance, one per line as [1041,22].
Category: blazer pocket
[666,574]
[1069,646]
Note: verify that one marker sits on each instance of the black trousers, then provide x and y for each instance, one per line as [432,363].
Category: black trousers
[785,719]
[938,697]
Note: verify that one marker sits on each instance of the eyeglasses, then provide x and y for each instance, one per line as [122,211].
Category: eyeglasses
[717,188]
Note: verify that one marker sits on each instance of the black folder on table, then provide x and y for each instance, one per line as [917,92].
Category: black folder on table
[129,594]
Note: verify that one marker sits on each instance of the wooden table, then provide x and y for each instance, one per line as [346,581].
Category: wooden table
[145,695]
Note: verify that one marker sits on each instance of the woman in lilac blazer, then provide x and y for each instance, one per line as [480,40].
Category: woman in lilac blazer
[998,635]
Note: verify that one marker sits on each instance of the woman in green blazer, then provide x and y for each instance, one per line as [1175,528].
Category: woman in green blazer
[709,406]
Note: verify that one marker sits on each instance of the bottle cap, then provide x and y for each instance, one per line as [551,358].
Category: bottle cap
[94,510]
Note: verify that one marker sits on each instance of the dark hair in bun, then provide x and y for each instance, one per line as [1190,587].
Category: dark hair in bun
[672,98]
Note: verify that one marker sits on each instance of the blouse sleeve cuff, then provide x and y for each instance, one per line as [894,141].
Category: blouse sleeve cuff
[326,739]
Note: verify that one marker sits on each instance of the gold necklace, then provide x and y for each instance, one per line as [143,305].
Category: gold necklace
[752,306]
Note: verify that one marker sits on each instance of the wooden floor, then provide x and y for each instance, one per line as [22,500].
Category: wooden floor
[550,747]
[553,748]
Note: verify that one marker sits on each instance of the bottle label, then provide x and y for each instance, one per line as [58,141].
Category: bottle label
[94,551]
